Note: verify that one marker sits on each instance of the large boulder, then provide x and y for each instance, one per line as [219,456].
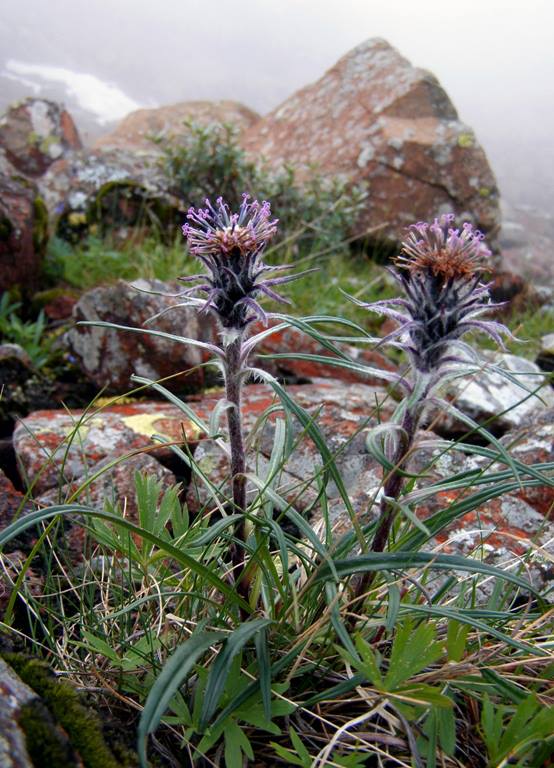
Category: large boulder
[35,132]
[23,232]
[108,357]
[375,118]
[137,130]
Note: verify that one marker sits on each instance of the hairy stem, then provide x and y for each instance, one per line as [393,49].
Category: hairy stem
[238,461]
[392,488]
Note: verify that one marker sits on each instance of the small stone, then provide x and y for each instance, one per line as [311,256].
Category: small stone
[488,394]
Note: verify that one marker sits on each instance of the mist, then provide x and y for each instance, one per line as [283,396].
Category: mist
[106,57]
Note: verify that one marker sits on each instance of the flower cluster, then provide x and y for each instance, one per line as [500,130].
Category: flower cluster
[230,245]
[439,269]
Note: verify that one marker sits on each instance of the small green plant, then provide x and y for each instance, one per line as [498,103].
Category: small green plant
[316,215]
[31,335]
[520,735]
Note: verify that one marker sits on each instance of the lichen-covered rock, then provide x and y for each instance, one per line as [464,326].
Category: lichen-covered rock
[105,486]
[57,447]
[12,502]
[108,357]
[374,118]
[105,188]
[35,132]
[533,443]
[506,400]
[505,532]
[11,565]
[23,232]
[343,414]
[137,129]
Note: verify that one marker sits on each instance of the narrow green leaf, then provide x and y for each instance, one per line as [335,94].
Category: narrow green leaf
[264,667]
[173,674]
[399,561]
[220,669]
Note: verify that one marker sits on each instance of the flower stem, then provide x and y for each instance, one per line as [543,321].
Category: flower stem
[233,385]
[392,488]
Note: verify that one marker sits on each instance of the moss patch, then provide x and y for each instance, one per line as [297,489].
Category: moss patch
[60,730]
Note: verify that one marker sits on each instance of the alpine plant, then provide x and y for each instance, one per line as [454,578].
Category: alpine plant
[231,247]
[440,269]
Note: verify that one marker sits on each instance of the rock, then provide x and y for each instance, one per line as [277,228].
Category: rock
[35,132]
[138,128]
[488,395]
[532,442]
[12,565]
[50,443]
[545,358]
[19,383]
[505,532]
[12,502]
[108,357]
[57,303]
[14,694]
[23,232]
[54,448]
[114,488]
[94,189]
[526,241]
[374,118]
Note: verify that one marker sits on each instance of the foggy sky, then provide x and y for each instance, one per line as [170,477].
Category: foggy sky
[495,58]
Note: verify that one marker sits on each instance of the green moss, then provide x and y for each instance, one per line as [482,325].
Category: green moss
[81,724]
[40,226]
[484,192]
[47,142]
[466,140]
[46,744]
[33,139]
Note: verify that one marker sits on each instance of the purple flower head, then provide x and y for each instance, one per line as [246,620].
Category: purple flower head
[440,250]
[439,269]
[230,245]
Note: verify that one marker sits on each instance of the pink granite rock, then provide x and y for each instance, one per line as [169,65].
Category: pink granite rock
[137,129]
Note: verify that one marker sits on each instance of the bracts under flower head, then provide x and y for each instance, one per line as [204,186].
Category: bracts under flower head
[230,245]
